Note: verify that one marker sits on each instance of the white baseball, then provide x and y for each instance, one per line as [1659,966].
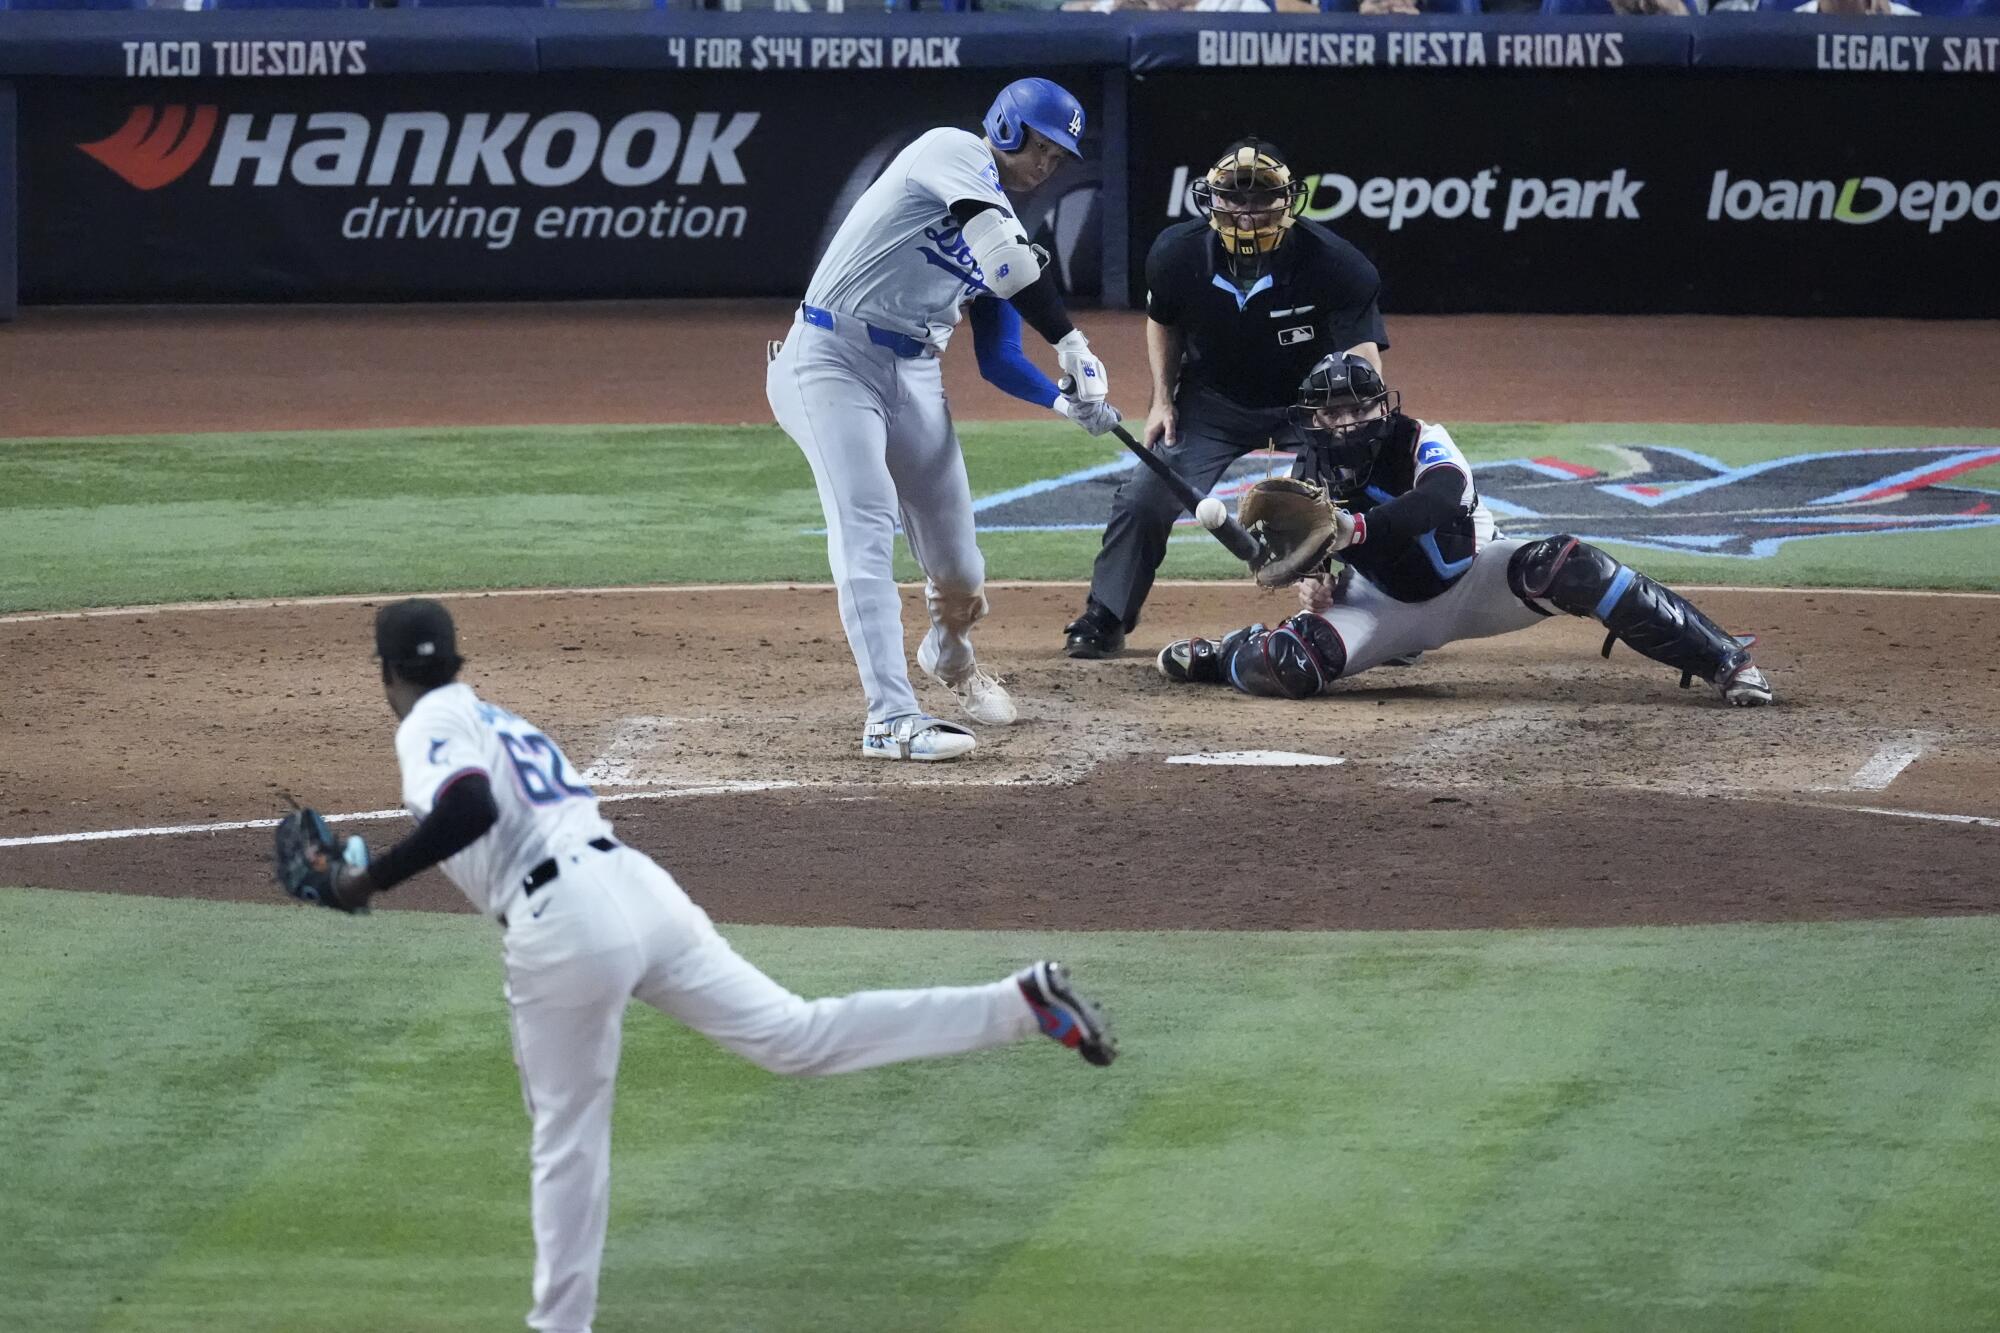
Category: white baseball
[1211,513]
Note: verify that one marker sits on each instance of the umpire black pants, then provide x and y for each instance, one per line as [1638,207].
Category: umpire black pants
[1214,432]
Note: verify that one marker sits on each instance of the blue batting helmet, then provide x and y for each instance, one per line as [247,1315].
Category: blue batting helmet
[1037,104]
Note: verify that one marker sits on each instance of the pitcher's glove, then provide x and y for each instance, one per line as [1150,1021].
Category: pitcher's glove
[309,864]
[1298,527]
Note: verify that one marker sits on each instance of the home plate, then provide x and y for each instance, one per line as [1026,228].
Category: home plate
[1260,759]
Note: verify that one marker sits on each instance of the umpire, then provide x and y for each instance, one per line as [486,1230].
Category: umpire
[1238,309]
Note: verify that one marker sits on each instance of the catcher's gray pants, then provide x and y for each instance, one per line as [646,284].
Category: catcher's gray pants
[613,927]
[877,431]
[1374,627]
[1214,432]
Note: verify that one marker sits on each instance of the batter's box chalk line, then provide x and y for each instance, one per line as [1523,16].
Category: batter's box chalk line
[1259,759]
[632,742]
[1886,764]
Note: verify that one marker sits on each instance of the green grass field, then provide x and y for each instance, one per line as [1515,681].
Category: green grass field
[223,1117]
[100,522]
[230,1117]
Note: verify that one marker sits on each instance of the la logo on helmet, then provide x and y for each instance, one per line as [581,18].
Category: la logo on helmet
[1076,121]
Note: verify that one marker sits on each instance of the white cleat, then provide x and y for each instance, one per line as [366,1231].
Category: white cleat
[1745,687]
[979,692]
[917,736]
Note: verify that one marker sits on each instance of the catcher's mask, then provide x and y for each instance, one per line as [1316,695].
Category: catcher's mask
[1250,201]
[1346,414]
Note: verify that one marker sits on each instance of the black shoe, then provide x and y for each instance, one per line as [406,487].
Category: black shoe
[1095,633]
[1191,661]
[1064,1016]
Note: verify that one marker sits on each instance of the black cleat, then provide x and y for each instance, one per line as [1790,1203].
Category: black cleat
[1191,661]
[1096,633]
[1066,1018]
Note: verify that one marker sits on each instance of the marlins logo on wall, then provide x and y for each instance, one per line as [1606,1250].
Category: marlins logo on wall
[1665,498]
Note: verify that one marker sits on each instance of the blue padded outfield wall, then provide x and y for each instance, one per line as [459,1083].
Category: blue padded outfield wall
[1771,164]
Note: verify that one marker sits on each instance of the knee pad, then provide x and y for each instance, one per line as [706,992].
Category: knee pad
[1564,573]
[1297,660]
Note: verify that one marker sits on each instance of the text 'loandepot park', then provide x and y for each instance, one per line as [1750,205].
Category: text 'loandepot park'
[1857,200]
[1403,199]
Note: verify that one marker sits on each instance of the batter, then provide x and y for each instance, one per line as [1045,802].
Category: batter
[857,387]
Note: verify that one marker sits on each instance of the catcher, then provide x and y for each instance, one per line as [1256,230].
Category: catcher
[1390,499]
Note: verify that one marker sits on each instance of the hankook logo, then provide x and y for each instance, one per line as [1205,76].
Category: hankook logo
[157,145]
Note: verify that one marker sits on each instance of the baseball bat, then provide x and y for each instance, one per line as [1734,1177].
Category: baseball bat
[1234,537]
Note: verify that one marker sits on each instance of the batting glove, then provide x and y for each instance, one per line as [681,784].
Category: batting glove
[1097,418]
[1074,356]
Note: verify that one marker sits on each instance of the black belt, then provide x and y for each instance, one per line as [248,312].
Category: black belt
[549,869]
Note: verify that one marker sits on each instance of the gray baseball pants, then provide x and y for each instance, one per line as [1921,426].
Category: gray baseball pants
[877,430]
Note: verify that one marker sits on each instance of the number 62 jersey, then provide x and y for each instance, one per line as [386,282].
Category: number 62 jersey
[543,802]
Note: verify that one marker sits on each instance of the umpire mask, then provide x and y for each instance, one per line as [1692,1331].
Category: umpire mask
[1345,413]
[1250,201]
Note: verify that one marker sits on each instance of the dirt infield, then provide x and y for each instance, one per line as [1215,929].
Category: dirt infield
[1520,781]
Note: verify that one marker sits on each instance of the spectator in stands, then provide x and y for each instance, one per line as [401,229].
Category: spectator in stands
[1200,6]
[1676,7]
[1837,8]
[1407,7]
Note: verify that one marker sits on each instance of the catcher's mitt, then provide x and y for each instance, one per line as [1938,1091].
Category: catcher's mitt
[1298,527]
[308,860]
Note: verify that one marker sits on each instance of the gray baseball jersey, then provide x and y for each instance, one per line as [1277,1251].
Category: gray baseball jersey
[898,261]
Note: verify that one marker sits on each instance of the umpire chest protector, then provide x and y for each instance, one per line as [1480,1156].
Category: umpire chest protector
[1253,345]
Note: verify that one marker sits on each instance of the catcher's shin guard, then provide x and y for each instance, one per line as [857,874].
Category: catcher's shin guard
[1297,660]
[1563,573]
